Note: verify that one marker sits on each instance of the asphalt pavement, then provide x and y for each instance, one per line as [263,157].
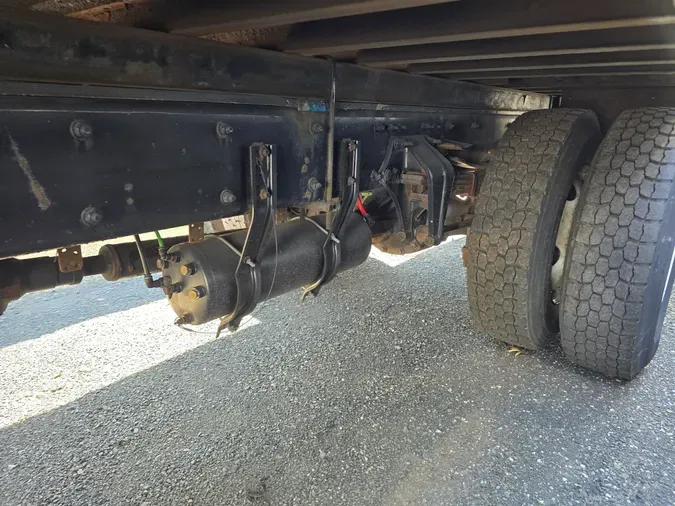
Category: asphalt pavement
[378,392]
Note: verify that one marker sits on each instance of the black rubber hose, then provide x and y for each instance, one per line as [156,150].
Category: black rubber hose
[147,276]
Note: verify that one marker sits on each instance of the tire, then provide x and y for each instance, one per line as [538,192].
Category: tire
[619,270]
[512,236]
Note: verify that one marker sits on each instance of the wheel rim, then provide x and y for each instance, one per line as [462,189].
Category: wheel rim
[562,242]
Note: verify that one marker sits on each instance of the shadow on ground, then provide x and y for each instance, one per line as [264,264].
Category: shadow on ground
[41,313]
[377,392]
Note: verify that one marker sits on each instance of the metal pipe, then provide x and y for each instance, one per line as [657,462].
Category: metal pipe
[330,149]
[114,262]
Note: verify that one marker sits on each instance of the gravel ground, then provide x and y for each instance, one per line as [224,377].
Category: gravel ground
[377,392]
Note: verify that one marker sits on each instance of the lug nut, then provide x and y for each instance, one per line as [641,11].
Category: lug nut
[185,319]
[188,269]
[196,293]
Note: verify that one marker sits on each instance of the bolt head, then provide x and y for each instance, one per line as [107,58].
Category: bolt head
[429,241]
[186,318]
[80,130]
[195,293]
[313,184]
[223,129]
[263,194]
[401,236]
[91,216]
[227,197]
[187,269]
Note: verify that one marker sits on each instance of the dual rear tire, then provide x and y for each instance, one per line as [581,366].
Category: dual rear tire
[619,251]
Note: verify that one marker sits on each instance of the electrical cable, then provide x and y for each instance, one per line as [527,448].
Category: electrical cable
[160,241]
[147,277]
[362,208]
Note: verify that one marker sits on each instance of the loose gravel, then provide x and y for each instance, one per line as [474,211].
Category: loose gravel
[376,392]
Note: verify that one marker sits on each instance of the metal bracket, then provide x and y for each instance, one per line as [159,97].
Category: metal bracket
[70,259]
[262,180]
[349,164]
[421,155]
[196,233]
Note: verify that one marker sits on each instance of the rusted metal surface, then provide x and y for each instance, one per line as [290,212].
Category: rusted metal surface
[196,232]
[70,259]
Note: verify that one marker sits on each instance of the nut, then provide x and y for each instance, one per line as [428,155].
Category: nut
[429,241]
[313,184]
[81,130]
[186,318]
[223,130]
[263,194]
[188,269]
[91,216]
[227,197]
[401,236]
[196,293]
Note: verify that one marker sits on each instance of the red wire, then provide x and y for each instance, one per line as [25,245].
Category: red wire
[360,205]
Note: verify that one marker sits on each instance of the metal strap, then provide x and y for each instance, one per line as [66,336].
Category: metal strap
[248,276]
[349,158]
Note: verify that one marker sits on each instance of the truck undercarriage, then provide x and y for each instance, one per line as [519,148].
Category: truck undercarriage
[389,123]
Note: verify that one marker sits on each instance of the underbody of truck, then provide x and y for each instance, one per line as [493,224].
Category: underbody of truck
[350,124]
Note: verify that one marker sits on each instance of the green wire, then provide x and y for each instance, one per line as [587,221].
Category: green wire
[160,241]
